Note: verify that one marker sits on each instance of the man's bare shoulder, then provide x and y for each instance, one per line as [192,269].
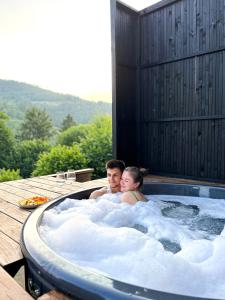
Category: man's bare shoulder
[98,193]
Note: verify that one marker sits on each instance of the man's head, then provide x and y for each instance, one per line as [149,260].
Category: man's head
[115,170]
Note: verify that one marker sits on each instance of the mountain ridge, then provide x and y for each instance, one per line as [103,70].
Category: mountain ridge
[16,97]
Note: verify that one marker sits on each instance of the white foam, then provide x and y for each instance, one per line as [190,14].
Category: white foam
[101,235]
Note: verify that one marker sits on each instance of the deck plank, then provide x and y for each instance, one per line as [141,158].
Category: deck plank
[12,211]
[93,183]
[161,179]
[9,197]
[54,295]
[62,188]
[10,251]
[13,194]
[10,289]
[10,227]
[21,189]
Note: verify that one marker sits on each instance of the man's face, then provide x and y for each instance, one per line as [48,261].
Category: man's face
[114,176]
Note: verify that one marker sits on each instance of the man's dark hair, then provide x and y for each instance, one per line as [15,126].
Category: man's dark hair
[115,163]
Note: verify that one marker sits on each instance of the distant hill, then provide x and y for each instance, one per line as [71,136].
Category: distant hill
[17,97]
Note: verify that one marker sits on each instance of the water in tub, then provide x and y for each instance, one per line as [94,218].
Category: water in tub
[170,243]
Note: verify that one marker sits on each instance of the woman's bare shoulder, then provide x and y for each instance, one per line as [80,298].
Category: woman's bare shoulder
[128,198]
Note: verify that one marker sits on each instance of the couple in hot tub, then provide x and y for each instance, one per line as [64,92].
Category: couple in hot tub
[121,179]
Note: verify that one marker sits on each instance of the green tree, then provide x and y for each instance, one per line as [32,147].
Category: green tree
[8,175]
[37,125]
[6,142]
[26,154]
[73,135]
[60,158]
[97,145]
[67,123]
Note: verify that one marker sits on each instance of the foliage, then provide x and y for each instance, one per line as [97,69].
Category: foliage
[17,97]
[37,125]
[3,116]
[26,154]
[60,158]
[67,123]
[73,135]
[6,142]
[97,145]
[7,175]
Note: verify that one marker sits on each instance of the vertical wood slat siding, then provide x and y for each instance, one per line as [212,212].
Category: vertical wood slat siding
[183,28]
[126,82]
[190,87]
[182,80]
[202,102]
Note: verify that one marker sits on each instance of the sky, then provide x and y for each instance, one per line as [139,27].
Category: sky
[60,45]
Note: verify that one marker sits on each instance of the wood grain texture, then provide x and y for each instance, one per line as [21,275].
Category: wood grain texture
[177,117]
[54,295]
[10,289]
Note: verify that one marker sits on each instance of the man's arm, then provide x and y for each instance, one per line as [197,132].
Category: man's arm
[98,193]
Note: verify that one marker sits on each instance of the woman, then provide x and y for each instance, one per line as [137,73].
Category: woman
[132,180]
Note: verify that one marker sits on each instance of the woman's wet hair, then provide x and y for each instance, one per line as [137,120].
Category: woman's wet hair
[115,163]
[136,174]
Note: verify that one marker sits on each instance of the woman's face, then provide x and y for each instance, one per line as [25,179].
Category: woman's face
[127,182]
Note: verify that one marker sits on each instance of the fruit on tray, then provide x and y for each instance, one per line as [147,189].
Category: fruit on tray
[36,200]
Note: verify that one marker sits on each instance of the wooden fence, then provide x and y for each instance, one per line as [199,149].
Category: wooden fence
[169,91]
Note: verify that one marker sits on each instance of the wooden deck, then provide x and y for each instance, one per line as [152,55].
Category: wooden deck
[12,218]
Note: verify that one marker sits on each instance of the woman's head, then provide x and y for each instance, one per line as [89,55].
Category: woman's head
[132,179]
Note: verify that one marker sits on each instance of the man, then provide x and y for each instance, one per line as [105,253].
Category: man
[114,169]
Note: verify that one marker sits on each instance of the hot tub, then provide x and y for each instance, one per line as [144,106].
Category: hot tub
[46,270]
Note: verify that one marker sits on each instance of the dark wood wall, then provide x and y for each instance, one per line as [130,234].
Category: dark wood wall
[179,109]
[125,77]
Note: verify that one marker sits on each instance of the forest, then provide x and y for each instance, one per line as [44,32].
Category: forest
[16,97]
[37,147]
